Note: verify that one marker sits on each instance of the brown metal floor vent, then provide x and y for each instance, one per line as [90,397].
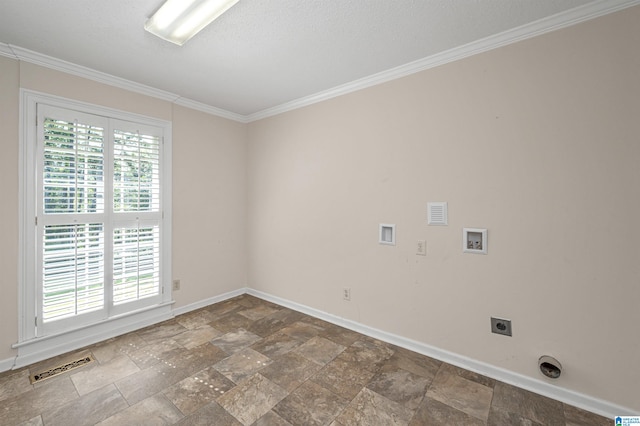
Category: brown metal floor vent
[52,372]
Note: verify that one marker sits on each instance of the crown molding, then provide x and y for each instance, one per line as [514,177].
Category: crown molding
[542,26]
[199,106]
[533,29]
[5,50]
[90,74]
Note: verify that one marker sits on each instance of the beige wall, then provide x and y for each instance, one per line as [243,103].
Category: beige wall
[208,185]
[536,141]
[209,205]
[9,78]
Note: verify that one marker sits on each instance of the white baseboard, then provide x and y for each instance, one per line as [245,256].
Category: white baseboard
[570,397]
[210,301]
[7,364]
[586,402]
[40,349]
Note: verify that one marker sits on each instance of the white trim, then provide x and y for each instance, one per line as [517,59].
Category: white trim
[46,347]
[209,301]
[26,266]
[555,22]
[90,74]
[42,348]
[7,364]
[576,399]
[199,106]
[5,50]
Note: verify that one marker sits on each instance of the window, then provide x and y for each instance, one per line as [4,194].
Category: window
[97,182]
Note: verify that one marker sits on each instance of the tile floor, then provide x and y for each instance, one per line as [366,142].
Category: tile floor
[246,361]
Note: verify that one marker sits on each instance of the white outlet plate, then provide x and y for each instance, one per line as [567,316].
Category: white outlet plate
[421,247]
[346,293]
[175,285]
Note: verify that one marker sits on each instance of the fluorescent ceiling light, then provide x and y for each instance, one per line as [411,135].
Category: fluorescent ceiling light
[179,20]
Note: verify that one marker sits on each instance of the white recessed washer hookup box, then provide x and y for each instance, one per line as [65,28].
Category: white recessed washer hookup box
[474,240]
[387,234]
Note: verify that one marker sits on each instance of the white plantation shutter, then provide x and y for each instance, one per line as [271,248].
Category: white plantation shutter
[73,270]
[71,218]
[137,214]
[73,167]
[136,263]
[136,176]
[99,218]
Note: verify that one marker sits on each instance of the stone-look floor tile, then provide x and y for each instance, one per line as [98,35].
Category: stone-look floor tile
[276,345]
[252,399]
[13,383]
[88,409]
[577,417]
[469,375]
[271,419]
[211,414]
[302,330]
[208,353]
[121,345]
[195,319]
[432,412]
[528,404]
[194,392]
[249,301]
[49,396]
[143,384]
[415,363]
[160,332]
[221,309]
[400,386]
[196,336]
[462,394]
[235,341]
[368,353]
[343,378]
[370,408]
[257,312]
[498,417]
[290,371]
[155,353]
[242,364]
[156,410]
[310,405]
[36,421]
[231,322]
[275,322]
[184,365]
[99,375]
[340,335]
[320,350]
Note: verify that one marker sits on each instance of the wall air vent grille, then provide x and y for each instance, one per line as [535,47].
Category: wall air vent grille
[437,214]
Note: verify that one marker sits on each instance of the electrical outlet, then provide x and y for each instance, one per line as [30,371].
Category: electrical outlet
[346,293]
[501,326]
[175,285]
[421,247]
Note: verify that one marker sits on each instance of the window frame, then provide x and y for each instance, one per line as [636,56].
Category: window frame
[29,343]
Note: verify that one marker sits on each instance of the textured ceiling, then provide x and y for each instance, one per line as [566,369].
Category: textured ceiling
[263,53]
